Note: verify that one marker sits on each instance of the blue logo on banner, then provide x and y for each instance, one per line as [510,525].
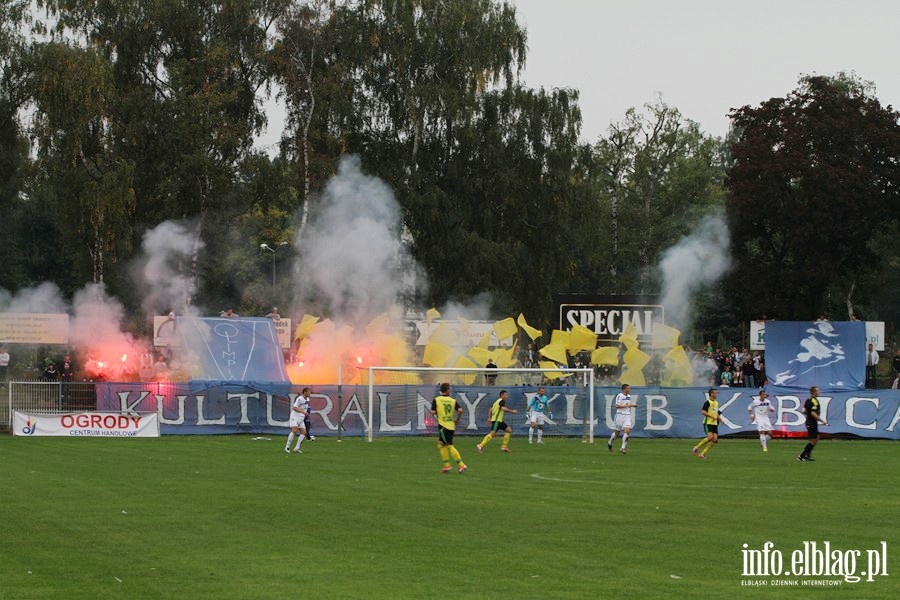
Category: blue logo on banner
[825,354]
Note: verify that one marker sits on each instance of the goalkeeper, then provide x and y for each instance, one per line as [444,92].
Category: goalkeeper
[537,409]
[498,412]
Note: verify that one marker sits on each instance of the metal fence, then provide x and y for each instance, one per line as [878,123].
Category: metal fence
[48,397]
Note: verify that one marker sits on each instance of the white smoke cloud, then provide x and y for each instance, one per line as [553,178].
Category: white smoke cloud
[167,250]
[696,261]
[41,299]
[351,249]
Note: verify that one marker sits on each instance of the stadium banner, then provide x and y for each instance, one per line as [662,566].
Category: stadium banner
[406,410]
[874,335]
[86,424]
[28,328]
[471,333]
[828,354]
[608,315]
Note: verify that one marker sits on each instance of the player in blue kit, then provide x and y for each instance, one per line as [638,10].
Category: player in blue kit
[537,410]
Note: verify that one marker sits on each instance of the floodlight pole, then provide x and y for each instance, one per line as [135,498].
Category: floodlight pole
[269,248]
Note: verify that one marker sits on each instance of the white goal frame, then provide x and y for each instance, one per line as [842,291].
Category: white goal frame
[588,374]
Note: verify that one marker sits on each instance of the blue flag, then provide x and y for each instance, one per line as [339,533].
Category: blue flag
[827,354]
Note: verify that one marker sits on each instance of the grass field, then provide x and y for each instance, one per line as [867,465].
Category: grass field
[233,517]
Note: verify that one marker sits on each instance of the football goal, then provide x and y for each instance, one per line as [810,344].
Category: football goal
[399,399]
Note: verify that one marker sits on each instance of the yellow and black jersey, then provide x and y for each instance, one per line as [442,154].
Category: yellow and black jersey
[497,410]
[445,407]
[809,407]
[712,408]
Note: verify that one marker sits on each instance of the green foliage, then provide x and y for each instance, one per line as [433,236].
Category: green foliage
[656,175]
[815,181]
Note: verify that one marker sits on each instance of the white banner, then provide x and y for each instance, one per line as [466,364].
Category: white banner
[29,328]
[283,331]
[91,424]
[874,335]
[468,336]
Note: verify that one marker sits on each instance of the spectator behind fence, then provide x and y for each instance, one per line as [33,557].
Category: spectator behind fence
[67,371]
[4,364]
[871,367]
[50,373]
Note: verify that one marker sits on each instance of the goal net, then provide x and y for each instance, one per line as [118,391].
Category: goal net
[399,399]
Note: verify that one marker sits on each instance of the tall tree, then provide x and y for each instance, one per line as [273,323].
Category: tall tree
[815,179]
[87,181]
[655,174]
[13,144]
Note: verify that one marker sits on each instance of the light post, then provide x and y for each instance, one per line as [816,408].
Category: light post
[268,248]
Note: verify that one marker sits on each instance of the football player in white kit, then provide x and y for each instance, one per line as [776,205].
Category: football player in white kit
[759,411]
[299,414]
[624,404]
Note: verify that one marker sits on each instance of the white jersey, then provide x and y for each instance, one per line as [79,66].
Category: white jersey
[761,409]
[301,403]
[623,402]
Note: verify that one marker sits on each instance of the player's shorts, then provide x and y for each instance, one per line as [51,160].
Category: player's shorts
[711,428]
[763,424]
[622,421]
[537,418]
[498,426]
[445,435]
[812,429]
[297,419]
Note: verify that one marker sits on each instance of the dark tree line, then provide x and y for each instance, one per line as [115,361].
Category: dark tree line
[117,116]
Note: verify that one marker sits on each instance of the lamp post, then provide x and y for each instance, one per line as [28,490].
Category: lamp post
[268,248]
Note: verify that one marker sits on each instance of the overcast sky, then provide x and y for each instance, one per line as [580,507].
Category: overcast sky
[704,56]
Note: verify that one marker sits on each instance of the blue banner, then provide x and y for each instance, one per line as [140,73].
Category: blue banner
[222,351]
[827,354]
[406,410]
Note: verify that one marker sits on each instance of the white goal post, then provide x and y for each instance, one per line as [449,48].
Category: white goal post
[577,378]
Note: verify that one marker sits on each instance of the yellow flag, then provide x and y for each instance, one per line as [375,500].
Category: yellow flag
[607,355]
[431,314]
[581,338]
[680,370]
[532,332]
[629,338]
[560,338]
[377,325]
[635,359]
[506,359]
[546,364]
[464,326]
[555,352]
[633,377]
[505,328]
[444,334]
[305,326]
[464,362]
[664,336]
[436,354]
[480,356]
[485,340]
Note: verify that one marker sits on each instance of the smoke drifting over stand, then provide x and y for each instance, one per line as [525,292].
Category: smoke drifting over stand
[351,250]
[695,262]
[167,285]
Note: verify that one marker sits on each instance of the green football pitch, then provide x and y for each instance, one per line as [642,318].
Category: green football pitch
[236,517]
